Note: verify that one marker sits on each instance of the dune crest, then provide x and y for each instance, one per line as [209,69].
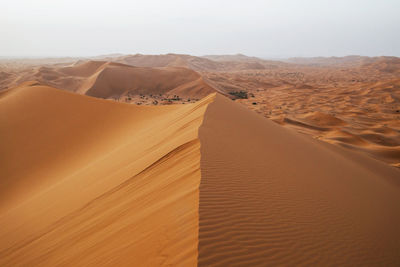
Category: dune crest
[88,181]
[270,196]
[91,182]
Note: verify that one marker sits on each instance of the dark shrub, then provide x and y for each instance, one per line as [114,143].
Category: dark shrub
[239,94]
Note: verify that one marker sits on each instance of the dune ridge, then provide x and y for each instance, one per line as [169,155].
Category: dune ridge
[271,197]
[88,181]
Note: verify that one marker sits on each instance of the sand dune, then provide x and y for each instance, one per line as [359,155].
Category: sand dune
[118,80]
[348,61]
[237,57]
[88,181]
[92,182]
[83,68]
[269,196]
[360,105]
[115,80]
[383,64]
[206,63]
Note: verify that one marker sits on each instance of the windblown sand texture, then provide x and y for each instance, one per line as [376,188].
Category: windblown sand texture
[93,182]
[271,197]
[352,102]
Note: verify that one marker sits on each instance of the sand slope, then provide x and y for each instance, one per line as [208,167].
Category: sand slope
[88,181]
[118,80]
[271,197]
[92,182]
[357,108]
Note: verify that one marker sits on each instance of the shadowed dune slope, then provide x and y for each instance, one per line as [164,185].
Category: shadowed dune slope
[92,182]
[270,196]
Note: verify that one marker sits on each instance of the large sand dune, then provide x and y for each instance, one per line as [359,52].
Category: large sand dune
[92,182]
[272,197]
[105,79]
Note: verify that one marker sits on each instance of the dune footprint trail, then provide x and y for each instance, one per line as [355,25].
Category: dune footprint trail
[91,182]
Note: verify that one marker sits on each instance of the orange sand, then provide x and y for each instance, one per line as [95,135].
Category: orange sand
[91,182]
[272,197]
[94,182]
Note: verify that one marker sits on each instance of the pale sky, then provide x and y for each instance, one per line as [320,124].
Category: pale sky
[266,28]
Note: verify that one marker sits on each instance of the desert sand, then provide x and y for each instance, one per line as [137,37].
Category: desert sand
[95,182]
[300,172]
[89,181]
[270,196]
[352,102]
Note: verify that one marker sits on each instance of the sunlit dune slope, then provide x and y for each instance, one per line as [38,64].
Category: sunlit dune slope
[272,197]
[86,181]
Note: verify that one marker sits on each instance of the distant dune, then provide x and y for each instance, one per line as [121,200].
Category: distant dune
[352,102]
[206,63]
[236,57]
[348,61]
[384,64]
[93,182]
[109,79]
[115,79]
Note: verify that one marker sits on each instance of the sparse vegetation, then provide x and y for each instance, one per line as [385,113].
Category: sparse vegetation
[175,98]
[239,94]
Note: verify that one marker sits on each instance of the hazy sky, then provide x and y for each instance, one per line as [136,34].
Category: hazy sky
[269,28]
